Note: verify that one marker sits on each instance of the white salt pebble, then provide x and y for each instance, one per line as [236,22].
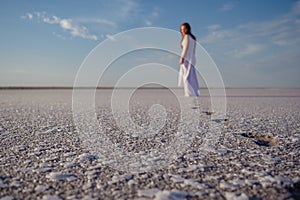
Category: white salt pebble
[224,185]
[87,186]
[194,184]
[88,198]
[85,157]
[49,131]
[3,185]
[50,159]
[173,194]
[132,182]
[119,178]
[177,179]
[50,197]
[45,165]
[56,176]
[69,164]
[43,170]
[150,193]
[95,167]
[41,188]
[233,196]
[7,198]
[25,169]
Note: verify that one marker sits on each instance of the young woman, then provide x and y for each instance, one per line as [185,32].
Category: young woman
[187,73]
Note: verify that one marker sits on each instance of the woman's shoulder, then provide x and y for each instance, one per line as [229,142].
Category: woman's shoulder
[184,37]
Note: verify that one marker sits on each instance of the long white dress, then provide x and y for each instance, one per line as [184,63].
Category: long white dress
[187,74]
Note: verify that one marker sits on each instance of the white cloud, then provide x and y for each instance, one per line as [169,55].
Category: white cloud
[111,38]
[218,36]
[155,12]
[128,8]
[213,27]
[281,31]
[296,8]
[128,11]
[112,18]
[248,49]
[27,16]
[228,6]
[259,51]
[66,24]
[97,21]
[59,35]
[148,22]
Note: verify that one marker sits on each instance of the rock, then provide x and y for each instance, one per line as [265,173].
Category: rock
[51,197]
[69,164]
[132,182]
[194,184]
[234,196]
[86,157]
[15,183]
[119,178]
[88,197]
[177,179]
[173,194]
[224,185]
[87,186]
[92,174]
[150,193]
[41,188]
[7,198]
[57,176]
[3,185]
[43,170]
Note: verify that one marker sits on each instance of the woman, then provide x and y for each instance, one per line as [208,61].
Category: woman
[187,73]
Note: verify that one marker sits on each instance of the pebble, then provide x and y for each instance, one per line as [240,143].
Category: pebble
[119,178]
[132,182]
[51,197]
[173,194]
[86,157]
[194,184]
[92,174]
[3,185]
[177,179]
[224,185]
[87,186]
[7,198]
[150,193]
[43,170]
[16,183]
[25,169]
[57,176]
[233,196]
[69,164]
[41,188]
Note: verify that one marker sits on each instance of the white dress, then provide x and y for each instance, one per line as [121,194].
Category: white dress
[187,74]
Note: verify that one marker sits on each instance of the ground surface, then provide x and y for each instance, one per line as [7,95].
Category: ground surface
[256,154]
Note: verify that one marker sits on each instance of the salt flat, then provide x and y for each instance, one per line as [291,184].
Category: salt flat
[255,155]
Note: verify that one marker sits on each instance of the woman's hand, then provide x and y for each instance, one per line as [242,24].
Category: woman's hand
[181,60]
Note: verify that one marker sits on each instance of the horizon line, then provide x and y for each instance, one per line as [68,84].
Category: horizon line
[111,87]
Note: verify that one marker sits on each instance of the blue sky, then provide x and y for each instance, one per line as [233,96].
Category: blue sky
[254,43]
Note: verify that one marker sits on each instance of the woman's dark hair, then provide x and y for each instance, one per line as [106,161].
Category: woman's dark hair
[189,32]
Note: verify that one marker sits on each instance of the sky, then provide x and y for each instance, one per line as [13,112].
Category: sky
[253,43]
